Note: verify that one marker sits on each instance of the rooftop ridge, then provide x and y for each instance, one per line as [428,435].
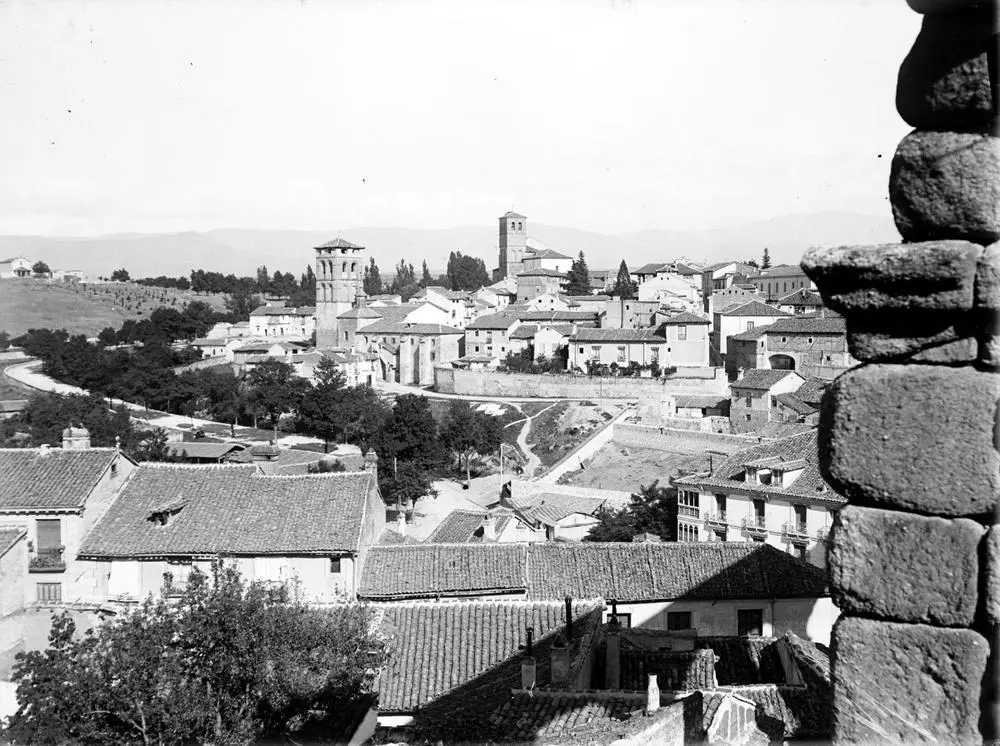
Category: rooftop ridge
[466,602]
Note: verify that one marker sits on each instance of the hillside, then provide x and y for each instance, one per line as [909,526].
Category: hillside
[27,304]
[241,251]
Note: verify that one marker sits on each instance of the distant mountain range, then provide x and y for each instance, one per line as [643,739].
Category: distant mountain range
[242,251]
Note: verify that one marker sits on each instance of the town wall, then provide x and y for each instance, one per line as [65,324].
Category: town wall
[450,380]
[678,441]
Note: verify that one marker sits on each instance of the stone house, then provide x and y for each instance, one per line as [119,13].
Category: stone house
[754,397]
[15,266]
[491,335]
[782,279]
[548,302]
[547,259]
[744,317]
[408,352]
[801,301]
[458,304]
[56,495]
[711,589]
[352,321]
[283,322]
[622,313]
[772,493]
[687,338]
[620,347]
[358,369]
[534,282]
[246,356]
[549,339]
[307,532]
[216,346]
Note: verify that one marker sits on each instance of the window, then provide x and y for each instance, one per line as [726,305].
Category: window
[621,354]
[687,503]
[654,354]
[784,339]
[720,505]
[749,400]
[335,564]
[512,225]
[625,620]
[774,402]
[687,532]
[678,620]
[519,225]
[503,349]
[758,511]
[749,325]
[49,534]
[809,340]
[750,622]
[721,534]
[748,417]
[49,592]
[477,348]
[595,353]
[477,332]
[682,332]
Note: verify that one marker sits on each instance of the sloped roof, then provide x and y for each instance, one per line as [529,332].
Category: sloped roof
[752,308]
[752,334]
[801,297]
[812,390]
[633,572]
[540,272]
[809,484]
[339,243]
[697,401]
[461,526]
[760,379]
[53,479]
[548,254]
[203,449]
[283,311]
[550,507]
[9,536]
[686,317]
[405,327]
[430,570]
[536,316]
[793,402]
[361,313]
[524,331]
[232,510]
[616,335]
[649,269]
[822,322]
[465,657]
[512,214]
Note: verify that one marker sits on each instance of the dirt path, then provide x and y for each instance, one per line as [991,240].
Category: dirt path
[534,463]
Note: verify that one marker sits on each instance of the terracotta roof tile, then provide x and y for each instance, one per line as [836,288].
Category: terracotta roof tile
[686,317]
[617,335]
[760,379]
[232,510]
[752,308]
[55,479]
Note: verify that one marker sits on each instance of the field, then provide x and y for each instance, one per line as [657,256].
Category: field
[562,428]
[83,308]
[618,467]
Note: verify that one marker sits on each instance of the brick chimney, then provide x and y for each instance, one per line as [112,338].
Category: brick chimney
[613,655]
[371,463]
[489,528]
[652,695]
[401,523]
[528,662]
[560,662]
[75,438]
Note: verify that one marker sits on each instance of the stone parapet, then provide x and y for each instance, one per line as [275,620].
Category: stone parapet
[905,567]
[906,683]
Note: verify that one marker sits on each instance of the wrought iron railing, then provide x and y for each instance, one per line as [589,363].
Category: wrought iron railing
[48,559]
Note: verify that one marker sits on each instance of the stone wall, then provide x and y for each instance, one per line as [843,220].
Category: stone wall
[692,442]
[910,437]
[449,380]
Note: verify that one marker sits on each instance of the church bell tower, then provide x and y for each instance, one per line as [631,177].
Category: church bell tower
[340,267]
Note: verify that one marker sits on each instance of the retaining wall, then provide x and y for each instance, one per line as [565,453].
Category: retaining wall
[678,441]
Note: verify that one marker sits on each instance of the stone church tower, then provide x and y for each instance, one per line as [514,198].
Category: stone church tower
[340,268]
[513,244]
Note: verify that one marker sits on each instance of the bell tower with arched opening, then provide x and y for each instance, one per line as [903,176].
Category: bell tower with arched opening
[340,269]
[513,243]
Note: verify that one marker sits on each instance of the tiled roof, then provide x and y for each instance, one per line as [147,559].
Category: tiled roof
[649,269]
[360,313]
[404,328]
[430,570]
[547,254]
[54,479]
[793,402]
[752,308]
[826,323]
[540,273]
[686,317]
[801,297]
[616,335]
[283,311]
[492,321]
[785,712]
[676,670]
[525,331]
[339,243]
[512,214]
[809,484]
[751,334]
[550,316]
[549,508]
[812,390]
[461,526]
[202,449]
[592,298]
[462,659]
[391,537]
[760,379]
[699,401]
[232,510]
[577,718]
[780,430]
[631,572]
[9,536]
[209,342]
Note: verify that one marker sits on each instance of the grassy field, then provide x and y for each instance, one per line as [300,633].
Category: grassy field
[82,309]
[617,467]
[560,429]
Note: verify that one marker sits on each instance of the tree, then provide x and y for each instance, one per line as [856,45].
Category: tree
[752,263]
[274,390]
[466,272]
[226,662]
[319,410]
[107,337]
[41,269]
[120,275]
[425,276]
[4,340]
[372,280]
[765,262]
[467,432]
[578,278]
[653,510]
[241,302]
[624,287]
[405,282]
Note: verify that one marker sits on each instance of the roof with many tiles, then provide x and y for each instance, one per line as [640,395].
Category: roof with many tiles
[234,509]
[51,478]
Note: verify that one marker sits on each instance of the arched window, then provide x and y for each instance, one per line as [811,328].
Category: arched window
[354,267]
[519,225]
[512,225]
[344,268]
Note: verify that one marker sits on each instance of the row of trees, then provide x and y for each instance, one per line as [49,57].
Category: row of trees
[226,662]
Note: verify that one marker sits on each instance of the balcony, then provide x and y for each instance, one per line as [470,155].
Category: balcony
[716,519]
[690,511]
[755,526]
[49,559]
[796,533]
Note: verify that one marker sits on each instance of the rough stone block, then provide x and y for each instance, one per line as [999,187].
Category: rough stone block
[989,351]
[905,567]
[987,286]
[992,575]
[906,683]
[944,82]
[898,335]
[946,185]
[932,275]
[913,437]
[958,352]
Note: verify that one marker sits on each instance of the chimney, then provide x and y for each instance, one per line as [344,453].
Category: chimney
[569,618]
[371,463]
[739,373]
[528,663]
[44,449]
[652,695]
[489,528]
[401,523]
[75,438]
[560,662]
[646,538]
[613,660]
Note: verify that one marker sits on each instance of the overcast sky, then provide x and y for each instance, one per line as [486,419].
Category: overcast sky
[607,116]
